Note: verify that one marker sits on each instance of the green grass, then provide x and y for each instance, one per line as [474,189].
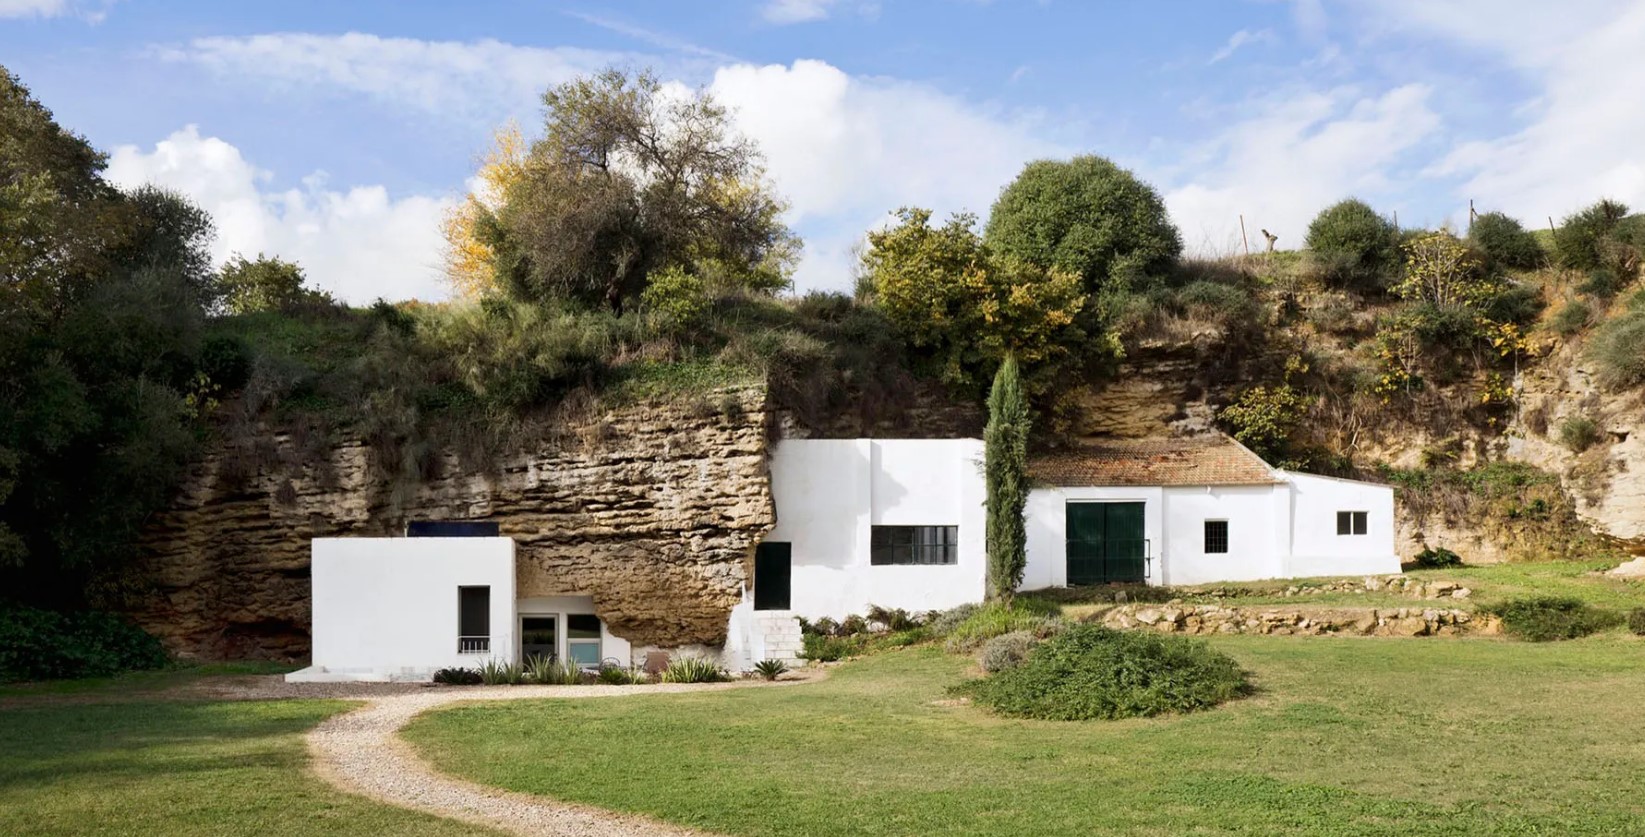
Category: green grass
[178,768]
[124,686]
[1346,736]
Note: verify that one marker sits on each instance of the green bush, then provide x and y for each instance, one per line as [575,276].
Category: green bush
[611,675]
[1618,351]
[1353,246]
[893,619]
[825,648]
[1587,238]
[1087,216]
[1602,283]
[694,670]
[1437,558]
[1571,318]
[995,618]
[547,671]
[678,297]
[1636,621]
[458,677]
[500,673]
[1504,243]
[1516,302]
[1550,618]
[771,669]
[1089,672]
[48,645]
[1578,433]
[1006,651]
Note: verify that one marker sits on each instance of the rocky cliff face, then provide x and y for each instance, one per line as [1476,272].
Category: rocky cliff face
[654,510]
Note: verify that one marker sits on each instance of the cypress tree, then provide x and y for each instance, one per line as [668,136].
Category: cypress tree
[1005,470]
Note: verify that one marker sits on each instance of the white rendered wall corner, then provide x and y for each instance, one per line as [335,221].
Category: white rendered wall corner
[387,608]
[1316,547]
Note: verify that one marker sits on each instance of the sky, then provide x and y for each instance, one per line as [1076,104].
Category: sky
[337,134]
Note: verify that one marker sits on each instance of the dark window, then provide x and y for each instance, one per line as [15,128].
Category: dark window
[474,620]
[1351,522]
[773,574]
[914,545]
[451,529]
[1216,536]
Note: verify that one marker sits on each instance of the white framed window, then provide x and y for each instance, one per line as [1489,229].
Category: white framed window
[1352,522]
[1216,537]
[474,620]
[582,638]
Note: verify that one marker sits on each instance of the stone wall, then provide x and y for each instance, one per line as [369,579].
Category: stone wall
[1305,621]
[652,509]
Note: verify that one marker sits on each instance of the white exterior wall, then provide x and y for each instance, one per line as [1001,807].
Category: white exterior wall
[1047,525]
[1317,549]
[830,492]
[1256,534]
[560,607]
[387,607]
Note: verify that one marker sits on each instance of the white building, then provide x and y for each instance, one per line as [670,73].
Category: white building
[895,523]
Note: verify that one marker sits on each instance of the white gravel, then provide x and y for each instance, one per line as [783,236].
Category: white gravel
[361,752]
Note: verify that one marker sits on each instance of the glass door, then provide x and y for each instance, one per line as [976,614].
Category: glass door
[539,637]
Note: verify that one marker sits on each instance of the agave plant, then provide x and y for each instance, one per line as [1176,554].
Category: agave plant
[694,670]
[546,671]
[500,673]
[771,669]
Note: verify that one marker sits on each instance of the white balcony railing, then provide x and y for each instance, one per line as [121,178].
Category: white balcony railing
[474,645]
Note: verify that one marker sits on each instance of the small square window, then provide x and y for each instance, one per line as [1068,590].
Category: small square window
[1352,522]
[1216,537]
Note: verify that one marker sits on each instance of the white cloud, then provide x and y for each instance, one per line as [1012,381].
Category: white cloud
[784,12]
[846,150]
[358,243]
[1296,155]
[1579,135]
[33,8]
[1240,39]
[482,80]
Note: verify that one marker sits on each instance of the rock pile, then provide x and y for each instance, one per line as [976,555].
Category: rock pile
[1177,617]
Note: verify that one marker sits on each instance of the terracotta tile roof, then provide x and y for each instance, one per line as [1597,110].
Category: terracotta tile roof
[1211,459]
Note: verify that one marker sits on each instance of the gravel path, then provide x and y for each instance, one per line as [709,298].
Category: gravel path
[360,752]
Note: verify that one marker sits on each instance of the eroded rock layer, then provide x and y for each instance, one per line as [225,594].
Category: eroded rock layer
[654,510]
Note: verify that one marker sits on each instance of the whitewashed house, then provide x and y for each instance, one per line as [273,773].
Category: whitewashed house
[897,523]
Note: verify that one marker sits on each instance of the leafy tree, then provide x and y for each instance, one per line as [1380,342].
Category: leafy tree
[628,180]
[1504,243]
[1005,467]
[266,284]
[1440,270]
[966,308]
[1356,248]
[1085,216]
[1601,236]
[1266,419]
[470,227]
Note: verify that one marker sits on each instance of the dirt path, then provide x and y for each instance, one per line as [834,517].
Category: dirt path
[361,752]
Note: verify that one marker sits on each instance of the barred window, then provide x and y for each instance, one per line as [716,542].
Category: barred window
[1351,522]
[914,545]
[1216,537]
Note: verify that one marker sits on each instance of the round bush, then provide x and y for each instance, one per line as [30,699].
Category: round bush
[1618,349]
[1354,246]
[1086,216]
[1504,243]
[1437,558]
[1089,672]
[1006,651]
[1636,621]
[1551,618]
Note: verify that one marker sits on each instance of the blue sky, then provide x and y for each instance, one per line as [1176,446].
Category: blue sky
[337,133]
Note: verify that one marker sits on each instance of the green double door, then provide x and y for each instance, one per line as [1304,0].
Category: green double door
[1106,543]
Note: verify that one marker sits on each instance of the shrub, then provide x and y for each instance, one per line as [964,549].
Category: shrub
[771,669]
[1578,433]
[1582,242]
[47,645]
[1006,651]
[1571,318]
[896,619]
[547,671]
[694,670]
[1513,302]
[995,618]
[676,296]
[500,673]
[852,625]
[825,626]
[1550,618]
[1504,243]
[1089,672]
[1602,283]
[1086,216]
[1353,246]
[457,677]
[1437,558]
[611,675]
[827,649]
[1636,621]
[1618,350]
[944,622]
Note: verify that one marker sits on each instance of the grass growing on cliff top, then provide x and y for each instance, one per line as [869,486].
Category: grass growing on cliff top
[178,768]
[1345,736]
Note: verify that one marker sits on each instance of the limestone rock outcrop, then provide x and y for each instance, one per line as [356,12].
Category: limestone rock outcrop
[652,509]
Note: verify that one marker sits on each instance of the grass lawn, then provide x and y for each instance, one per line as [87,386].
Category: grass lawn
[178,768]
[128,684]
[1347,736]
